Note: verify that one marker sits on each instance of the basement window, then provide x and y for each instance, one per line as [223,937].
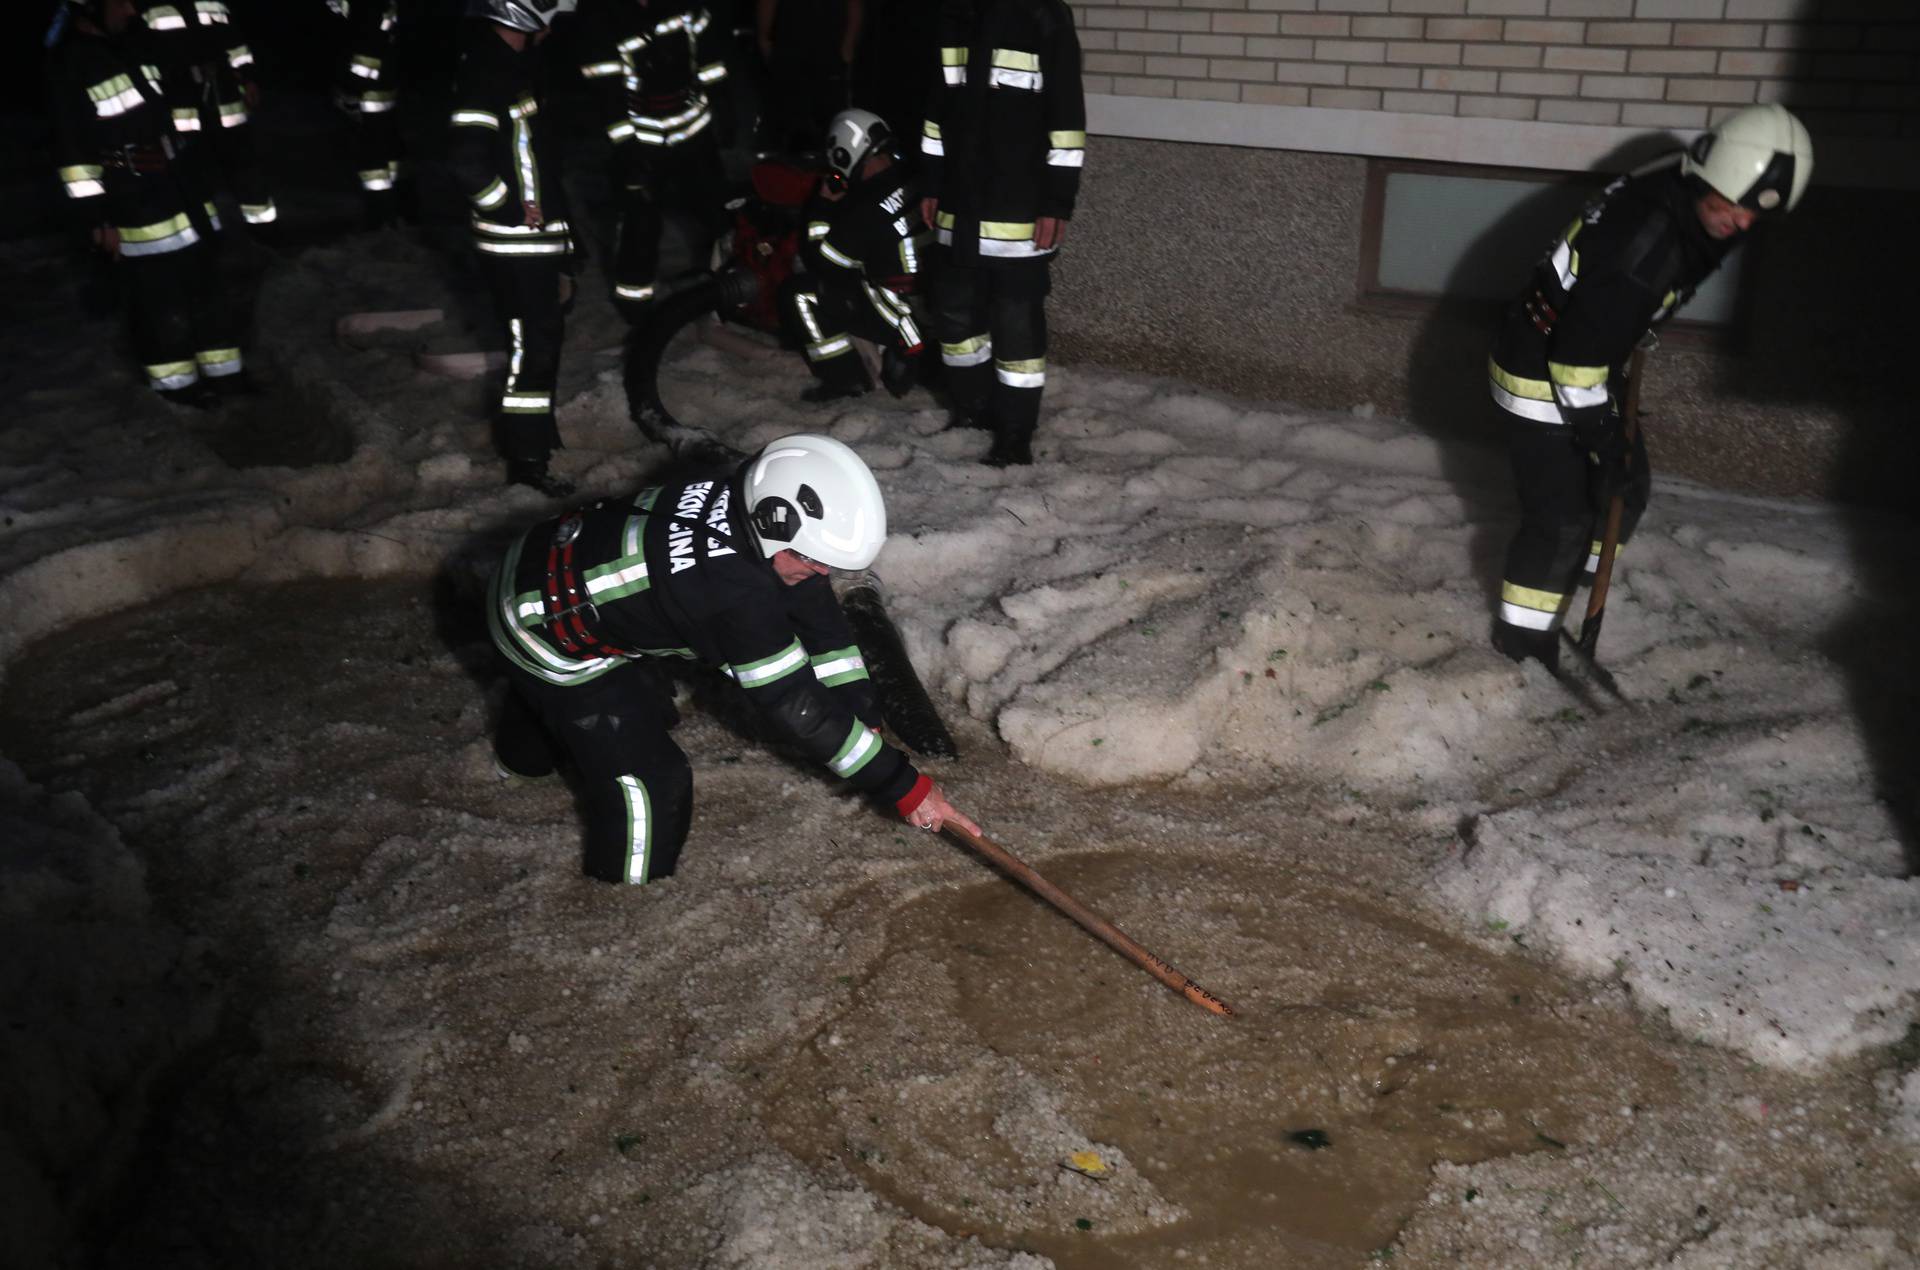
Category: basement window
[1435,233]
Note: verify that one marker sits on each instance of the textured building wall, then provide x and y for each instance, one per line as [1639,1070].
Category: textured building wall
[1850,67]
[1238,268]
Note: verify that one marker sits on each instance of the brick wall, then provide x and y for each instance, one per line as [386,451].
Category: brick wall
[1850,68]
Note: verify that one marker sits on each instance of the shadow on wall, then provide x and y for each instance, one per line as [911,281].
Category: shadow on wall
[1834,287]
[1447,362]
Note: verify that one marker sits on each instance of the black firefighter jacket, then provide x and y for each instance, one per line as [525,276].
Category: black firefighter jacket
[1632,258]
[865,250]
[651,65]
[1006,130]
[500,151]
[666,573]
[115,145]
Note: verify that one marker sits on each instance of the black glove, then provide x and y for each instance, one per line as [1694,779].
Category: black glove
[900,368]
[1603,435]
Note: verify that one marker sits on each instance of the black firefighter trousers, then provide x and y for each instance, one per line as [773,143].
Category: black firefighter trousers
[1563,509]
[634,783]
[649,181]
[182,330]
[991,321]
[526,296]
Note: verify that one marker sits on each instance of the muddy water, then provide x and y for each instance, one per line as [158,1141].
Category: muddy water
[1393,1045]
[438,1041]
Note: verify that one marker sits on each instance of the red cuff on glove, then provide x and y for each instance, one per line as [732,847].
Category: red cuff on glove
[915,796]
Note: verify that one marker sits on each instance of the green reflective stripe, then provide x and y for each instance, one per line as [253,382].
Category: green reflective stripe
[529,610]
[156,231]
[639,828]
[932,129]
[477,119]
[1006,230]
[972,344]
[1533,389]
[618,579]
[841,666]
[837,257]
[600,70]
[84,172]
[217,356]
[1529,598]
[771,669]
[492,196]
[1024,366]
[1067,140]
[1016,59]
[860,748]
[1576,376]
[953,57]
[637,523]
[943,220]
[521,647]
[108,89]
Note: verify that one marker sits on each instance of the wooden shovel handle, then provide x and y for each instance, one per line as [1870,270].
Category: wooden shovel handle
[1102,929]
[1616,507]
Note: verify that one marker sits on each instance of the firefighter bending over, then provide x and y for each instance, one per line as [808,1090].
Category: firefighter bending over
[728,570]
[1632,259]
[865,244]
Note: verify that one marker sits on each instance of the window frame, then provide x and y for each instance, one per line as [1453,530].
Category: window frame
[1371,296]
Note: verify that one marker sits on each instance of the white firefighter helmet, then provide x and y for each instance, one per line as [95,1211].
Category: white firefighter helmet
[852,136]
[1760,157]
[813,495]
[530,16]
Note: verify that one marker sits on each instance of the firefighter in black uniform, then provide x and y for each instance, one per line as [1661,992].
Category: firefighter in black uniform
[119,161]
[1002,146]
[1633,257]
[728,570]
[865,242]
[369,93]
[208,71]
[659,73]
[500,157]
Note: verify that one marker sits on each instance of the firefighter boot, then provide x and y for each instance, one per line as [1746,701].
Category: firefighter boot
[1519,643]
[533,474]
[1012,447]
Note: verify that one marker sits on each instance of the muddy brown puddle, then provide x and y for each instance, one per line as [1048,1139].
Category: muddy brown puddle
[977,1043]
[1367,1047]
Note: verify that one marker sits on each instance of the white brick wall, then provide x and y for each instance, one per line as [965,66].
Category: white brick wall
[1849,67]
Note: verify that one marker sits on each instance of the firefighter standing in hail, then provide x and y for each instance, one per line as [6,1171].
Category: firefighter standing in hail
[369,93]
[865,242]
[658,71]
[1001,150]
[729,570]
[120,163]
[500,156]
[208,71]
[1625,266]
